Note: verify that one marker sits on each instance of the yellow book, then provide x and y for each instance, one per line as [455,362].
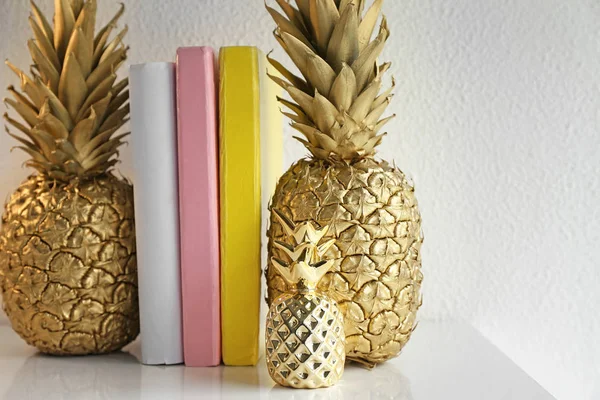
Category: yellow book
[240,199]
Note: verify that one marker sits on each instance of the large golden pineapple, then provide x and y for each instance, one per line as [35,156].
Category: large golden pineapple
[67,245]
[337,104]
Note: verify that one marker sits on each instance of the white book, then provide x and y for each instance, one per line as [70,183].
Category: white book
[154,148]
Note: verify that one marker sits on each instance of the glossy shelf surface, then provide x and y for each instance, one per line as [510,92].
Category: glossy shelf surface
[443,360]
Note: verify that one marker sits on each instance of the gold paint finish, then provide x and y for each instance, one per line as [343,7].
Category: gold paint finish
[68,265]
[304,337]
[67,245]
[372,214]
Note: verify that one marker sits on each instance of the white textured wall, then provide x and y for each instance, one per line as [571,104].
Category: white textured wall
[498,107]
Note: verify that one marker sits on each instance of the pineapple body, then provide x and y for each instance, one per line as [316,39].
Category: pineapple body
[371,211]
[68,264]
[304,340]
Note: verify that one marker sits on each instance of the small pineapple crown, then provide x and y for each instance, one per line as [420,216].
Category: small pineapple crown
[70,105]
[306,267]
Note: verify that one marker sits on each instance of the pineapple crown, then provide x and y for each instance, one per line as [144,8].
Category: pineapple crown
[306,267]
[337,104]
[71,104]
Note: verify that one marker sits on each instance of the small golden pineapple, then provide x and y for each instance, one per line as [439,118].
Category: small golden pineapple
[305,339]
[67,246]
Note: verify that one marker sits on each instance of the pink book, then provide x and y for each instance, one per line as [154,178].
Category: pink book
[199,206]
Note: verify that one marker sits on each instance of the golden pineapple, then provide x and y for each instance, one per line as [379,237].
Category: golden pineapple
[337,104]
[304,337]
[67,245]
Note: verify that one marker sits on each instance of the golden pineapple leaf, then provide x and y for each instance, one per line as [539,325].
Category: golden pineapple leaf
[324,16]
[82,133]
[100,92]
[286,26]
[64,21]
[374,115]
[101,36]
[343,90]
[108,147]
[113,45]
[48,122]
[310,132]
[343,46]
[304,8]
[86,20]
[42,22]
[20,98]
[300,119]
[279,81]
[384,121]
[77,6]
[303,100]
[368,23]
[45,142]
[117,118]
[26,143]
[45,45]
[293,15]
[101,109]
[362,105]
[383,68]
[28,114]
[320,74]
[385,96]
[16,124]
[96,141]
[27,85]
[72,88]
[47,71]
[33,153]
[107,67]
[81,48]
[91,164]
[325,117]
[117,101]
[365,63]
[58,109]
[293,79]
[120,86]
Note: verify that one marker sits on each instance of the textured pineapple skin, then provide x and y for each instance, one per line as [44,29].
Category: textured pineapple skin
[68,269]
[376,280]
[304,340]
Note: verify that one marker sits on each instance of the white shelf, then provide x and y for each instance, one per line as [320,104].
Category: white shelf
[443,361]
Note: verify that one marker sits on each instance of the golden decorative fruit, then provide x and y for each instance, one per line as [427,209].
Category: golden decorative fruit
[68,265]
[376,279]
[337,105]
[304,338]
[67,245]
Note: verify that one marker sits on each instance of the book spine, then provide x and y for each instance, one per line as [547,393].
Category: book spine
[154,148]
[271,142]
[271,129]
[240,204]
[199,206]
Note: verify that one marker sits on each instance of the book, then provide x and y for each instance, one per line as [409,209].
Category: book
[240,199]
[154,150]
[199,206]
